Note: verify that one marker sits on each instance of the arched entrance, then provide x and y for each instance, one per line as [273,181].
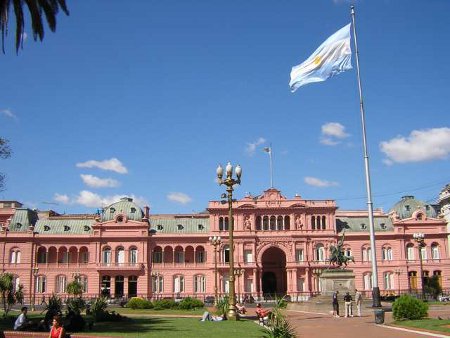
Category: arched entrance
[274,281]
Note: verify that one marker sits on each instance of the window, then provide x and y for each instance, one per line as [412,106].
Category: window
[438,273]
[179,257]
[248,256]
[200,227]
[435,251]
[258,223]
[133,256]
[119,219]
[158,283]
[300,284]
[388,280]
[15,256]
[324,222]
[383,226]
[266,223]
[157,255]
[133,210]
[299,255]
[178,284]
[112,210]
[410,252]
[412,275]
[287,222]
[313,222]
[280,223]
[42,256]
[199,284]
[200,256]
[46,228]
[84,257]
[61,283]
[106,256]
[320,253]
[84,283]
[66,228]
[273,223]
[159,227]
[120,256]
[423,253]
[226,254]
[367,280]
[87,228]
[41,283]
[366,254]
[180,227]
[387,254]
[363,226]
[348,252]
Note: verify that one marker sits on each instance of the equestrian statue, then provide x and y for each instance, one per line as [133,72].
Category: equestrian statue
[338,259]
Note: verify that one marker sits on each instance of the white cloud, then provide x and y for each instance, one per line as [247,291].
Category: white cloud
[112,164]
[316,182]
[8,113]
[420,145]
[179,197]
[64,199]
[92,200]
[97,182]
[332,133]
[251,147]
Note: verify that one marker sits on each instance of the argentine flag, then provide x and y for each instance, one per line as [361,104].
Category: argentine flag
[334,56]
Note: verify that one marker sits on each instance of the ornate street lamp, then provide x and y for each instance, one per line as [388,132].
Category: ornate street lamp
[35,271]
[420,240]
[229,182]
[215,241]
[238,273]
[398,272]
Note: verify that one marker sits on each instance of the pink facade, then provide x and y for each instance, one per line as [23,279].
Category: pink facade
[281,246]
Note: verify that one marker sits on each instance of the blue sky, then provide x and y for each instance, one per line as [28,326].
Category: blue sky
[146,99]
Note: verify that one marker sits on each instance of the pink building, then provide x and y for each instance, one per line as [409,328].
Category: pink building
[281,246]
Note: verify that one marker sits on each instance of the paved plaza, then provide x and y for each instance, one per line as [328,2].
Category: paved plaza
[317,322]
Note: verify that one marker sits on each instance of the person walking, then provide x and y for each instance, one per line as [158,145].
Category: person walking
[358,301]
[335,303]
[348,305]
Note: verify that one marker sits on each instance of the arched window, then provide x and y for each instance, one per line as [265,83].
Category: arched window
[320,253]
[157,255]
[258,222]
[366,254]
[158,283]
[227,224]
[273,222]
[120,256]
[61,283]
[106,286]
[15,256]
[200,255]
[42,255]
[435,255]
[287,222]
[386,253]
[388,280]
[280,223]
[41,284]
[199,284]
[226,254]
[348,252]
[133,257]
[410,252]
[423,253]
[324,222]
[313,222]
[266,223]
[106,256]
[178,283]
[221,224]
[367,280]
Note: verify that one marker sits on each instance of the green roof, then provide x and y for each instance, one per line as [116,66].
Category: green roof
[124,206]
[408,205]
[64,226]
[361,224]
[180,225]
[22,219]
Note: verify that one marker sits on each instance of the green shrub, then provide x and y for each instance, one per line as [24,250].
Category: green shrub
[139,303]
[222,306]
[189,303]
[164,304]
[407,307]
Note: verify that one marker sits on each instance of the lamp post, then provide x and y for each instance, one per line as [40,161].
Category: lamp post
[420,240]
[35,271]
[229,182]
[238,273]
[215,241]
[398,272]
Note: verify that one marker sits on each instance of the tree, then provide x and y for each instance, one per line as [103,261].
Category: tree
[9,295]
[75,288]
[5,152]
[35,8]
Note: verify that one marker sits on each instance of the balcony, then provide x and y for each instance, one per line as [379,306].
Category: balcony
[120,266]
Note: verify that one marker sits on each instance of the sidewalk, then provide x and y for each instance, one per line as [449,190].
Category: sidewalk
[319,323]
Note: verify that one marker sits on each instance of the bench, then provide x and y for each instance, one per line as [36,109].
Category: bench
[29,334]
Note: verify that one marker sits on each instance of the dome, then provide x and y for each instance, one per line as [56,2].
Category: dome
[408,205]
[126,207]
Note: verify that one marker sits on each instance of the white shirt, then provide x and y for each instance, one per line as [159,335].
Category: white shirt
[20,321]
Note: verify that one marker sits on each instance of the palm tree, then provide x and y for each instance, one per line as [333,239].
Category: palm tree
[35,7]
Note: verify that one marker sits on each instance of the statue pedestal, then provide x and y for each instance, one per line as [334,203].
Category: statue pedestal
[341,280]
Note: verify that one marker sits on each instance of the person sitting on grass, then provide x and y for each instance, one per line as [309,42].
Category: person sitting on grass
[209,317]
[22,323]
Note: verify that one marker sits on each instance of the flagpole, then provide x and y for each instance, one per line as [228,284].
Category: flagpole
[375,288]
[271,166]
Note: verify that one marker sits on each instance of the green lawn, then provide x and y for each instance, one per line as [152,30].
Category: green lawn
[166,327]
[427,324]
[127,311]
